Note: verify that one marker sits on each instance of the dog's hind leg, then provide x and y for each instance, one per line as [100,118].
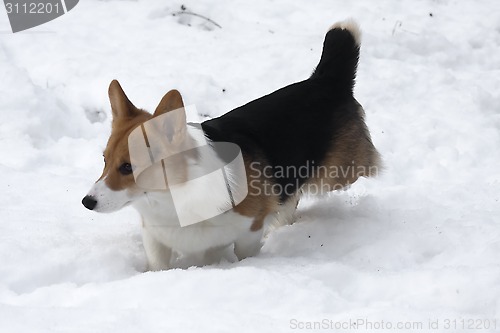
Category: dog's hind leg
[286,213]
[248,244]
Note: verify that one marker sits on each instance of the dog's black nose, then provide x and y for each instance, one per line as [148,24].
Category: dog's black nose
[89,202]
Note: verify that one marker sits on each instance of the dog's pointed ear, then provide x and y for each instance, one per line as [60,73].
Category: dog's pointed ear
[171,101]
[121,106]
[173,116]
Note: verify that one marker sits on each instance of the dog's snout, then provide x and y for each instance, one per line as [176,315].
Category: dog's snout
[89,202]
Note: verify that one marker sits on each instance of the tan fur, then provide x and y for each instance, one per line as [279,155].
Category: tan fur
[352,155]
[171,101]
[116,152]
[257,204]
[126,117]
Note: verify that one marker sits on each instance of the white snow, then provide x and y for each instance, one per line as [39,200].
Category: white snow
[419,243]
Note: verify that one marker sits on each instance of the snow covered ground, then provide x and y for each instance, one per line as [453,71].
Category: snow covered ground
[419,243]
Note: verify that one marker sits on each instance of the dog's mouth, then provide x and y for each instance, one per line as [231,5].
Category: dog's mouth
[127,203]
[91,203]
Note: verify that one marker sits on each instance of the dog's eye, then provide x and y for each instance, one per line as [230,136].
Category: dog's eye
[125,169]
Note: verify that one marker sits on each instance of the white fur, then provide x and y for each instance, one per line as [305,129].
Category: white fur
[162,234]
[108,200]
[286,212]
[350,25]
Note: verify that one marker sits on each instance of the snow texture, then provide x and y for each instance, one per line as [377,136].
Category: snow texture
[421,242]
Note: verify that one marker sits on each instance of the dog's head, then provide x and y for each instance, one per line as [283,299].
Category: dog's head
[117,187]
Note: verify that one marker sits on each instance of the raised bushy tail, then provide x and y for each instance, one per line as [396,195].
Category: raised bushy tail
[340,56]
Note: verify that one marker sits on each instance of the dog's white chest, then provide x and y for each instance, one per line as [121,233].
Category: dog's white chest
[162,224]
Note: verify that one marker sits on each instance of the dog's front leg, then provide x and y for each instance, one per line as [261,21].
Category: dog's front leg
[158,254]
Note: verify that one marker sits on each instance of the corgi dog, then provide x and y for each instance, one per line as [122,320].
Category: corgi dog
[308,137]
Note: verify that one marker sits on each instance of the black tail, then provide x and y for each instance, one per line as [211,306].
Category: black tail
[339,60]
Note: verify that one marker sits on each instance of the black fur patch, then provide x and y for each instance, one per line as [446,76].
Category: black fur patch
[297,125]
